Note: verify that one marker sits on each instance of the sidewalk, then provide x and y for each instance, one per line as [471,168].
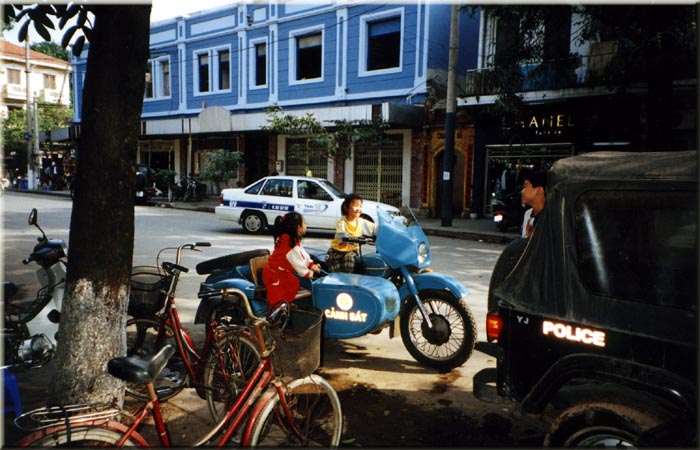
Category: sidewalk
[470,229]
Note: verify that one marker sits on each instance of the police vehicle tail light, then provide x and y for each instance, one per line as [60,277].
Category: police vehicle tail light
[494,325]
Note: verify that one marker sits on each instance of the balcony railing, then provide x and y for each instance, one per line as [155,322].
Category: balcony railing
[534,78]
[50,96]
[15,91]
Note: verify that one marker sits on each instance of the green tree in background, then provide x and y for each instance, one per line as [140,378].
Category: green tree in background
[50,116]
[221,166]
[51,49]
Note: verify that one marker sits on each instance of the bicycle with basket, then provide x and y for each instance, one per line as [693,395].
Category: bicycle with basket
[155,322]
[277,409]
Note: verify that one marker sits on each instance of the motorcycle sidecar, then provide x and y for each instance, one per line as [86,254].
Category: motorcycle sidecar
[354,305]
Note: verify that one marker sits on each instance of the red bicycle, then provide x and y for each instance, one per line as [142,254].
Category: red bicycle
[279,412]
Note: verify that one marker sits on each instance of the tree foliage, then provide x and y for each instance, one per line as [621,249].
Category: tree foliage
[40,16]
[337,140]
[50,117]
[51,49]
[221,165]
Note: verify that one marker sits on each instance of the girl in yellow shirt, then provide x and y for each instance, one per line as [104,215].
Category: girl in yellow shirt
[341,255]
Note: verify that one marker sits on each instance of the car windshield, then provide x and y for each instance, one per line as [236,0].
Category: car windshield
[333,189]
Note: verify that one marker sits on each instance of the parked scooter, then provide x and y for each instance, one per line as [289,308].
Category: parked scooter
[187,189]
[508,211]
[397,289]
[29,331]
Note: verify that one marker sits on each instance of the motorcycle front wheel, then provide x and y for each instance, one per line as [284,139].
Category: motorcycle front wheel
[450,341]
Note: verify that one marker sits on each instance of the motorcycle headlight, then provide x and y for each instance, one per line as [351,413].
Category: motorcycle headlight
[422,253]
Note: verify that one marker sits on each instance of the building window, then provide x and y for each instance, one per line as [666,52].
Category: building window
[14,76]
[49,81]
[508,39]
[224,71]
[164,71]
[148,91]
[260,75]
[309,56]
[203,71]
[212,70]
[157,78]
[384,44]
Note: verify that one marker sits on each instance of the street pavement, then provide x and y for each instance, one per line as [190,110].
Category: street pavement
[481,229]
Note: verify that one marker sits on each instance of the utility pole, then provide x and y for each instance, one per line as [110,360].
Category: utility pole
[30,156]
[450,118]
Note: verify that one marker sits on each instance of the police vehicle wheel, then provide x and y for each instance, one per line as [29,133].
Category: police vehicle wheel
[254,222]
[601,423]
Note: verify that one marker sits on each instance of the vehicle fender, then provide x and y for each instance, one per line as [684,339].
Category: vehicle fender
[206,305]
[435,281]
[661,383]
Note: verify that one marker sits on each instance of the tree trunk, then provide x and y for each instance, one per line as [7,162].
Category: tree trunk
[93,318]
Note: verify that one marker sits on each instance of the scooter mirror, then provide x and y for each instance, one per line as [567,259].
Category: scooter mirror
[33,217]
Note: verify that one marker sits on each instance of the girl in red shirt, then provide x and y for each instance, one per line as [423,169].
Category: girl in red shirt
[288,260]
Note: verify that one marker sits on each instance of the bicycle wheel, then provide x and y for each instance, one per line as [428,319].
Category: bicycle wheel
[315,409]
[142,339]
[230,364]
[96,436]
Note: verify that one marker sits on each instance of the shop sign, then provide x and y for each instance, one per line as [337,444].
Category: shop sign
[548,124]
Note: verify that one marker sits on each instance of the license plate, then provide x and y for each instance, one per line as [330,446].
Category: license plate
[139,194]
[498,218]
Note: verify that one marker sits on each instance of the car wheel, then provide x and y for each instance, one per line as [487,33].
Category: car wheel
[254,222]
[601,423]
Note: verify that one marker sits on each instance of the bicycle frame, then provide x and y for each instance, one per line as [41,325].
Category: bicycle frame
[260,382]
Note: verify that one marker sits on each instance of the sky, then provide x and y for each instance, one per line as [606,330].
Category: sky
[160,10]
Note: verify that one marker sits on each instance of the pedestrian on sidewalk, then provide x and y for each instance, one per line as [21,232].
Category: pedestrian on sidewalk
[533,195]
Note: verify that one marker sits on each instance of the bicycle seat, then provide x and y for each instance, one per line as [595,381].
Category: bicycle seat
[142,369]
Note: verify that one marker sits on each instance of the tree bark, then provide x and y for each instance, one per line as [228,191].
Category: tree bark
[93,318]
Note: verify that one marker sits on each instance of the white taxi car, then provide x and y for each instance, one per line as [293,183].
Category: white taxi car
[256,206]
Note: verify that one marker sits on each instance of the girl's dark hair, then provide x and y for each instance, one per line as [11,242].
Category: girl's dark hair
[288,224]
[345,207]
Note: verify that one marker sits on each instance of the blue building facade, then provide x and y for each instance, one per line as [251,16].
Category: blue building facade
[212,74]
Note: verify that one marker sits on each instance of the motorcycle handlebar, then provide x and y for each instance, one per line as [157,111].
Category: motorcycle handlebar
[358,240]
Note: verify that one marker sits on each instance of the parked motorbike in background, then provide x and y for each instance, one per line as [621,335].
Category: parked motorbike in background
[508,211]
[187,189]
[29,331]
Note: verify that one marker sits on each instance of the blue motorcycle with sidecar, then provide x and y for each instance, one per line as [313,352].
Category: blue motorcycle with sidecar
[395,288]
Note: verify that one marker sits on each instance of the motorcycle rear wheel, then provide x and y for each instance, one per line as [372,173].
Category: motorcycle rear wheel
[451,340]
[142,339]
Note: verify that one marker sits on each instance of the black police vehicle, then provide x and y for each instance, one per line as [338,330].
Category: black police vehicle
[593,320]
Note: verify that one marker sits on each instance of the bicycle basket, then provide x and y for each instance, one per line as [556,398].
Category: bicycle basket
[299,353]
[148,291]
